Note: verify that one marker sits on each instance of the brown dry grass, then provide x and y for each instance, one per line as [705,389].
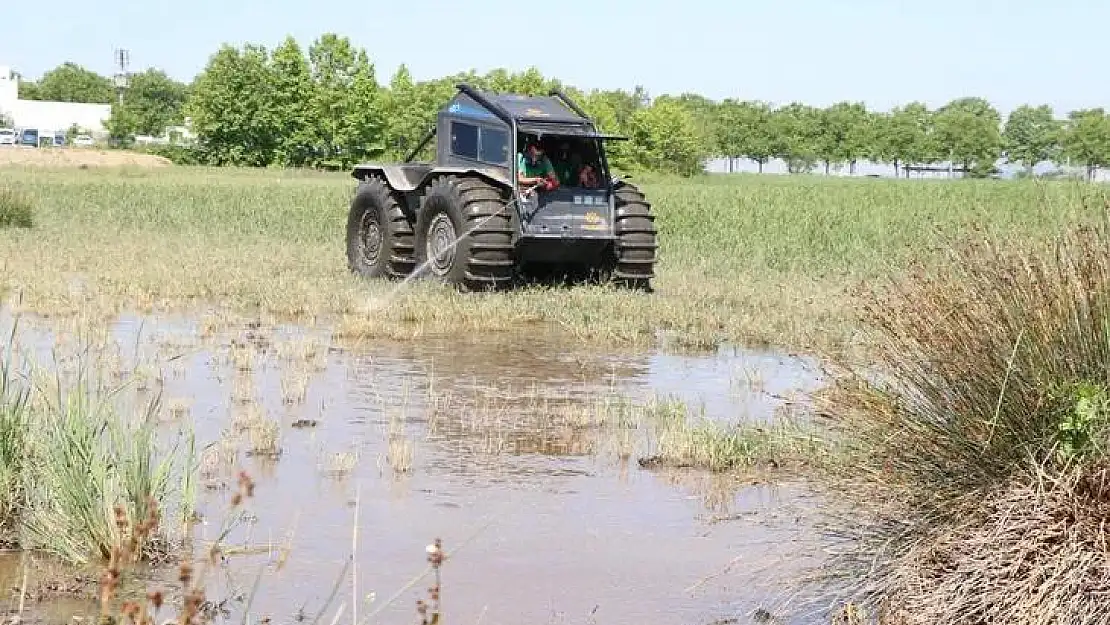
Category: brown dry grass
[1033,553]
[978,437]
[78,157]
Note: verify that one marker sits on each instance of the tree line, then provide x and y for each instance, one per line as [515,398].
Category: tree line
[324,107]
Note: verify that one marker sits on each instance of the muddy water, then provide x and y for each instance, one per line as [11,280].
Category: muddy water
[499,448]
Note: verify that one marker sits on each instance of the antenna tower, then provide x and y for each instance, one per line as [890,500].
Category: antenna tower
[122,77]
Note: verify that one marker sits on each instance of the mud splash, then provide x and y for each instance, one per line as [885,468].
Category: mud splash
[504,450]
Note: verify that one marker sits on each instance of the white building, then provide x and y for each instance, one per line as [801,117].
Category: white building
[49,117]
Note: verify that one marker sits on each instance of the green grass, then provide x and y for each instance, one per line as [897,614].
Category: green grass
[16,210]
[743,259]
[74,465]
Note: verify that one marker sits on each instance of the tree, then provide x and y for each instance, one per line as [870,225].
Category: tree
[69,82]
[968,132]
[905,136]
[347,103]
[842,134]
[293,97]
[152,103]
[406,121]
[704,112]
[744,131]
[232,106]
[1031,136]
[665,137]
[797,130]
[1086,139]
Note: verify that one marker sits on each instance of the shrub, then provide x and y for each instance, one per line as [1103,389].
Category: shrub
[15,209]
[979,439]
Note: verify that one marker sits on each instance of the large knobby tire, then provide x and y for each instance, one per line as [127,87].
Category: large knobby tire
[379,235]
[636,238]
[464,234]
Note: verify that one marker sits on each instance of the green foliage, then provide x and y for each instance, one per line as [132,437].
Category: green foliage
[293,102]
[666,138]
[967,132]
[1032,135]
[843,132]
[346,102]
[69,82]
[232,108]
[744,130]
[152,103]
[907,135]
[798,136]
[1081,430]
[1086,139]
[16,209]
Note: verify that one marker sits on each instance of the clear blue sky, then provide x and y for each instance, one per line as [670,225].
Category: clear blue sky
[882,52]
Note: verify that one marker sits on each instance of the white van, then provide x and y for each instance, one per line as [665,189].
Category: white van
[7,136]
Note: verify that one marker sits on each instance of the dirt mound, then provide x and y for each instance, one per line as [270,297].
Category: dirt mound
[78,157]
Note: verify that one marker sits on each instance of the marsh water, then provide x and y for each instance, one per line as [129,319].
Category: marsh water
[513,452]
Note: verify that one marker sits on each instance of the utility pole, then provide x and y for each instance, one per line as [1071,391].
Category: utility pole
[123,76]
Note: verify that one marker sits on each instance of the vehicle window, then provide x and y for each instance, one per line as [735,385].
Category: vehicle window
[464,140]
[494,146]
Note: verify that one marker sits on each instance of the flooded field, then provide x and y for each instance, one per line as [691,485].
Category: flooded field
[522,456]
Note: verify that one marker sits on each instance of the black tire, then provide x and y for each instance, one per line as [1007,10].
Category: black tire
[379,235]
[636,246]
[451,208]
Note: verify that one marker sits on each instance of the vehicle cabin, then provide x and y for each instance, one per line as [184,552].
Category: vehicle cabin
[477,134]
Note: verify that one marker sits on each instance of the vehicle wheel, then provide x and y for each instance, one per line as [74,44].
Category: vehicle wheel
[379,235]
[464,234]
[636,245]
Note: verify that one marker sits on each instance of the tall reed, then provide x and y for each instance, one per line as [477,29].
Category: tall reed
[979,436]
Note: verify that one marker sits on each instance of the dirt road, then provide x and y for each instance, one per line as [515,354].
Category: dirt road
[77,157]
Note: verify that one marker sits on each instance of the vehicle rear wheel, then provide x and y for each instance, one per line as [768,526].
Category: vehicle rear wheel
[636,238]
[464,234]
[379,235]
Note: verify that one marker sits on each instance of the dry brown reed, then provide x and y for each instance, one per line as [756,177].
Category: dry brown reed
[977,438]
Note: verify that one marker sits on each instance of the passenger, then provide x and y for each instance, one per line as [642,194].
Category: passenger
[534,169]
[587,177]
[567,165]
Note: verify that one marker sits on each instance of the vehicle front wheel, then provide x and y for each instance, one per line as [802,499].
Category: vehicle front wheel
[464,234]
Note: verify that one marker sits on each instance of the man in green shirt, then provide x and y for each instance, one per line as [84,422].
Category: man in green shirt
[533,168]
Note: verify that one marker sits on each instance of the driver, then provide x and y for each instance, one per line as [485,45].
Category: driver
[533,168]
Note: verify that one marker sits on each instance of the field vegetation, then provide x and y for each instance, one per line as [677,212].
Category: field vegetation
[76,465]
[966,320]
[744,259]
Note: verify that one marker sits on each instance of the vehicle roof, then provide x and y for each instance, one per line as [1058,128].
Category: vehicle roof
[534,108]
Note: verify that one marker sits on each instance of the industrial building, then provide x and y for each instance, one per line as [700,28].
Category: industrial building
[50,117]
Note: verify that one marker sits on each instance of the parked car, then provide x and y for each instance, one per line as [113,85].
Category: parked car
[83,141]
[29,137]
[7,136]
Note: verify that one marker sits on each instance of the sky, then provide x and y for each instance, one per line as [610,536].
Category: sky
[884,53]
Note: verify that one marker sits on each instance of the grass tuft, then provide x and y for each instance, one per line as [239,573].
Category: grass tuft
[682,440]
[972,433]
[76,472]
[16,209]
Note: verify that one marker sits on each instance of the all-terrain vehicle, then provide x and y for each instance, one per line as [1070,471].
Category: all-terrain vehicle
[464,220]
